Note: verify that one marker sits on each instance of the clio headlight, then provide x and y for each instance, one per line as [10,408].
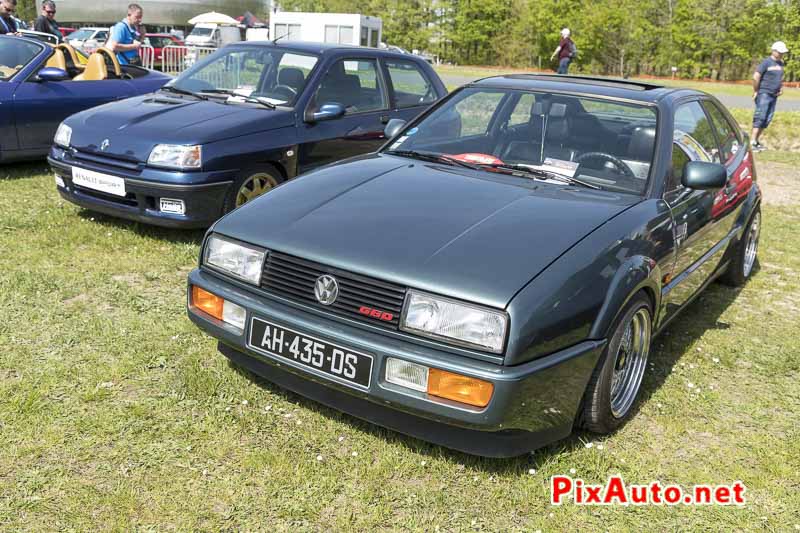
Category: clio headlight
[454,321]
[63,135]
[236,259]
[176,156]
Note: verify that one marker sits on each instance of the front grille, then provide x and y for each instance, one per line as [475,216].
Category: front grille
[106,160]
[294,278]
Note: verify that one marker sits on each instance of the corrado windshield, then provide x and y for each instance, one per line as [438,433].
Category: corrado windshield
[266,75]
[593,142]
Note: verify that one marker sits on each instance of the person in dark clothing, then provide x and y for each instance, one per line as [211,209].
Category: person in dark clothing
[46,22]
[767,87]
[7,22]
[565,51]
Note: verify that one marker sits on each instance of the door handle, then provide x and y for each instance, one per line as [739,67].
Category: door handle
[384,119]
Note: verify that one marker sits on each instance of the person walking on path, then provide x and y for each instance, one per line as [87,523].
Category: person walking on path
[125,39]
[767,87]
[46,22]
[565,51]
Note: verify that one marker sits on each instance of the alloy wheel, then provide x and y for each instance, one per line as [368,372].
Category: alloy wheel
[630,362]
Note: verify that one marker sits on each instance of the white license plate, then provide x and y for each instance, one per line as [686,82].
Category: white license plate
[98,181]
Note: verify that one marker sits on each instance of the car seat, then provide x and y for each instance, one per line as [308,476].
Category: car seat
[640,147]
[57,60]
[95,69]
[291,77]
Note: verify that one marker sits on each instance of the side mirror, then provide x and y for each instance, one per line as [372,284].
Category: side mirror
[326,112]
[52,74]
[393,127]
[702,175]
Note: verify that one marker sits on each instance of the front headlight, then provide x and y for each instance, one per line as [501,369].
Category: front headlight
[243,262]
[63,135]
[454,321]
[176,156]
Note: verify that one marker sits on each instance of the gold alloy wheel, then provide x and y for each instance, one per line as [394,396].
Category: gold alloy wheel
[254,186]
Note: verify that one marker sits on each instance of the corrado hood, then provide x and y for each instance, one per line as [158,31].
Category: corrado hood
[135,125]
[446,230]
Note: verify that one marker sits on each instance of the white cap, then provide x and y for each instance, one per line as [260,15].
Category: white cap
[780,47]
[565,33]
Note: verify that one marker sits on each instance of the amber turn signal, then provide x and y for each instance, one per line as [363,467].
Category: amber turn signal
[459,388]
[207,302]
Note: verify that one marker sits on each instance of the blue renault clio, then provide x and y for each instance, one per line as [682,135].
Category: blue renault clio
[234,126]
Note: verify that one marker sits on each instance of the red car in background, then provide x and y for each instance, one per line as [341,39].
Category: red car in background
[158,41]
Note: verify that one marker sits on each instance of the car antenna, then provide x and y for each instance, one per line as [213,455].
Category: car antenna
[276,39]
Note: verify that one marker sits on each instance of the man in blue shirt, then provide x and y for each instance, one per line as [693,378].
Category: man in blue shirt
[125,39]
[767,87]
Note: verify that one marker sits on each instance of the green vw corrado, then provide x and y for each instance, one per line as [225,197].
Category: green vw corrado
[494,275]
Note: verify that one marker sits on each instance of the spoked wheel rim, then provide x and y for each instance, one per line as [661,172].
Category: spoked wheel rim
[254,186]
[630,362]
[751,245]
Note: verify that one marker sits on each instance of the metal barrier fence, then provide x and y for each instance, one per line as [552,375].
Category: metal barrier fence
[176,59]
[148,55]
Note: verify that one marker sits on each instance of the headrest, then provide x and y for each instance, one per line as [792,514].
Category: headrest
[57,60]
[293,77]
[640,147]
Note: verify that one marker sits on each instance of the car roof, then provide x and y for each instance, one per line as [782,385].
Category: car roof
[626,89]
[319,48]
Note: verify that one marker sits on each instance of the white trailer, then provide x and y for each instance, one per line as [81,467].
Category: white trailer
[341,28]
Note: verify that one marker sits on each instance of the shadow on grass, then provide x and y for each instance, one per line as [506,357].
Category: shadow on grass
[702,315]
[23,170]
[173,235]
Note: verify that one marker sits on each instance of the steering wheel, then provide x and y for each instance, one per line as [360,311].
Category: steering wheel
[285,89]
[606,158]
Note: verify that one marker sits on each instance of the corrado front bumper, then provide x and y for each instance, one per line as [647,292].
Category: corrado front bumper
[533,404]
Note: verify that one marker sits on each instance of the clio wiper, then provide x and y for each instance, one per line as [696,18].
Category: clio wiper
[434,157]
[547,174]
[252,99]
[178,90]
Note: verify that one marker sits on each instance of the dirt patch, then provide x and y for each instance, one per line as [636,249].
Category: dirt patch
[780,183]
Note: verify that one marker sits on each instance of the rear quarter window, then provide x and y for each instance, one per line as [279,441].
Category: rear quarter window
[411,86]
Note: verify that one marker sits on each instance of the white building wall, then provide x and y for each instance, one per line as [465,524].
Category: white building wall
[344,28]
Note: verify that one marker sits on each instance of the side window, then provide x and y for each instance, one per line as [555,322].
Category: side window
[692,122]
[476,112]
[679,160]
[728,134]
[411,86]
[522,111]
[101,36]
[353,83]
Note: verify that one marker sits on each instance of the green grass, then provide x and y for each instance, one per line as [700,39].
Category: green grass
[116,413]
[734,89]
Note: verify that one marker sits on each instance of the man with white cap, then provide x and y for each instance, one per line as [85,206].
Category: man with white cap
[565,51]
[767,87]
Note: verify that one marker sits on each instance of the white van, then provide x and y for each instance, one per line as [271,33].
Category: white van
[210,35]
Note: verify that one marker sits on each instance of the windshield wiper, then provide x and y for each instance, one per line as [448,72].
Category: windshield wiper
[246,98]
[434,157]
[547,174]
[178,90]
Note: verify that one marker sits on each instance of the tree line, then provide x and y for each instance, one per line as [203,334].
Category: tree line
[718,39]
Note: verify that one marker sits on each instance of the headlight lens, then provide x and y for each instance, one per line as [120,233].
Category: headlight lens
[235,259]
[63,135]
[454,321]
[176,156]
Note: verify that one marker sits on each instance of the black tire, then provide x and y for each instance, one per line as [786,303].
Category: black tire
[604,409]
[743,264]
[247,181]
